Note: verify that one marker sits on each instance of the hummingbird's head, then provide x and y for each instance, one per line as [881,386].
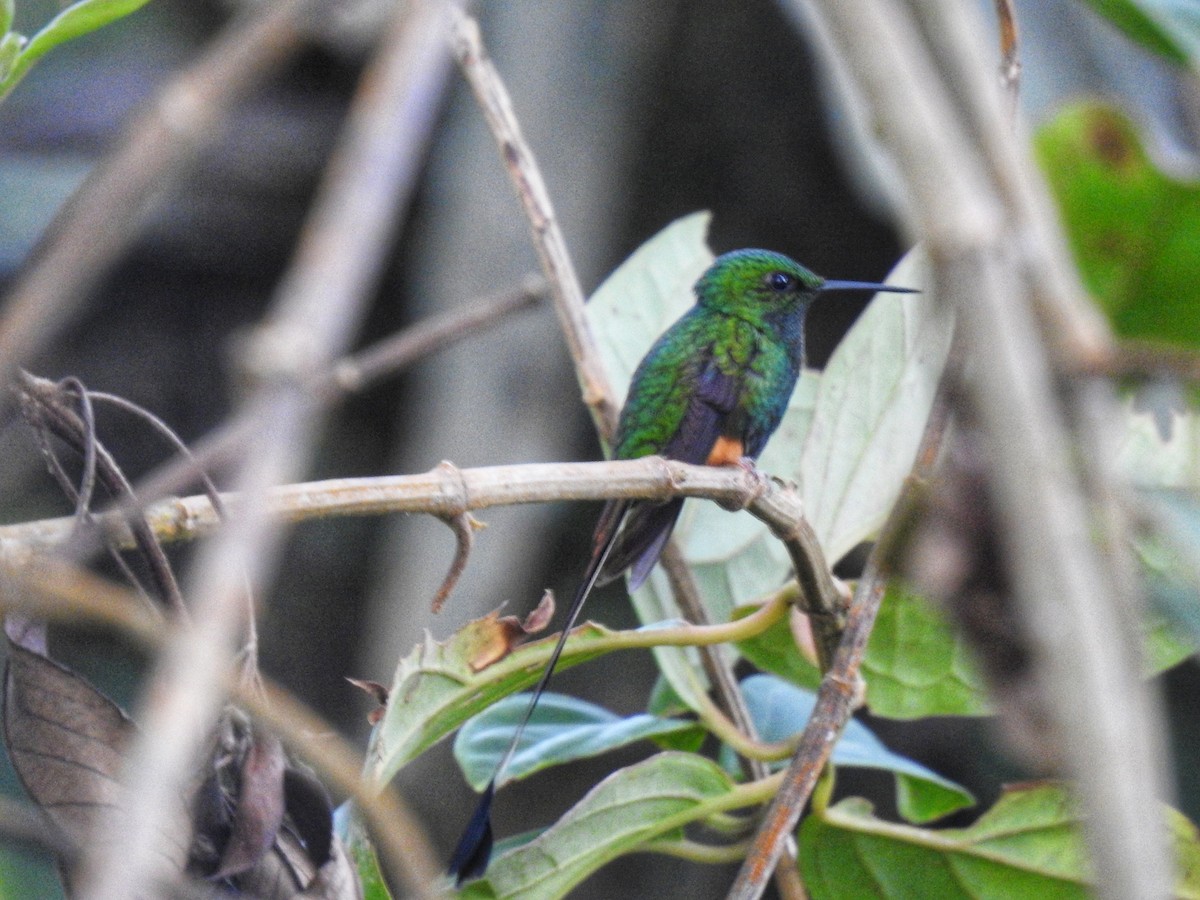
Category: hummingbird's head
[755,282]
[762,286]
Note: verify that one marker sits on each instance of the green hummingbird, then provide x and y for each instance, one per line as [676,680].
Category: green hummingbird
[711,390]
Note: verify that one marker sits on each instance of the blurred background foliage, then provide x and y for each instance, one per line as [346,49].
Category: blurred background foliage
[639,111]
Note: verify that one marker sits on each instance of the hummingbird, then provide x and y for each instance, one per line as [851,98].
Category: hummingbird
[710,391]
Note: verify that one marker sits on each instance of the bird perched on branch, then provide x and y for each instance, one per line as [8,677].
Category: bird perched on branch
[711,391]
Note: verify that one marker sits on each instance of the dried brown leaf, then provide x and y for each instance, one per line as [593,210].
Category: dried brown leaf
[259,810]
[65,740]
[488,640]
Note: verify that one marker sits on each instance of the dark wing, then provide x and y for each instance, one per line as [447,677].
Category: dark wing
[710,412]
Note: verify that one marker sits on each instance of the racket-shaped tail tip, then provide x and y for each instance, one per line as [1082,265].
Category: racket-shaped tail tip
[474,850]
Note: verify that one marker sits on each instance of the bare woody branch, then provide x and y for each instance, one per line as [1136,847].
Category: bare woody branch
[447,492]
[547,236]
[998,260]
[317,308]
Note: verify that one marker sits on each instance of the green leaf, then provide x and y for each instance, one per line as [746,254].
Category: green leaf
[10,50]
[73,22]
[1170,28]
[916,665]
[623,813]
[1134,231]
[1028,845]
[872,405]
[358,844]
[561,729]
[436,689]
[781,710]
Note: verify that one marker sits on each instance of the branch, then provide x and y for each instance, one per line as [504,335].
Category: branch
[998,260]
[447,491]
[1010,55]
[317,307]
[547,236]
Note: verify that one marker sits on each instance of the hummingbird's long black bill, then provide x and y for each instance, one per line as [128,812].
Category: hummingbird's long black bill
[865,286]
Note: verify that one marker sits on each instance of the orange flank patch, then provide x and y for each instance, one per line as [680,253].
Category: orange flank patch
[726,452]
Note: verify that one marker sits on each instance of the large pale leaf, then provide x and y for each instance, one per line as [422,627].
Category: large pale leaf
[1160,449]
[1028,845]
[872,405]
[562,729]
[1134,230]
[624,812]
[781,710]
[1170,28]
[646,293]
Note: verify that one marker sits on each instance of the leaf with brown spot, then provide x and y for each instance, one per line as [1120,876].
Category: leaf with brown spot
[491,638]
[438,687]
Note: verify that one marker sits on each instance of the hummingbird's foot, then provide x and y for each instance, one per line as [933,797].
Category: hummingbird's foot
[762,483]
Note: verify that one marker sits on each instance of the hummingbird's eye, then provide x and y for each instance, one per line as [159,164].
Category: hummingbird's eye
[780,281]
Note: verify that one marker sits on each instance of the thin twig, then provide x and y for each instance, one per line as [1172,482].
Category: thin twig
[548,240]
[1147,360]
[463,527]
[42,403]
[107,212]
[398,352]
[348,376]
[317,308]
